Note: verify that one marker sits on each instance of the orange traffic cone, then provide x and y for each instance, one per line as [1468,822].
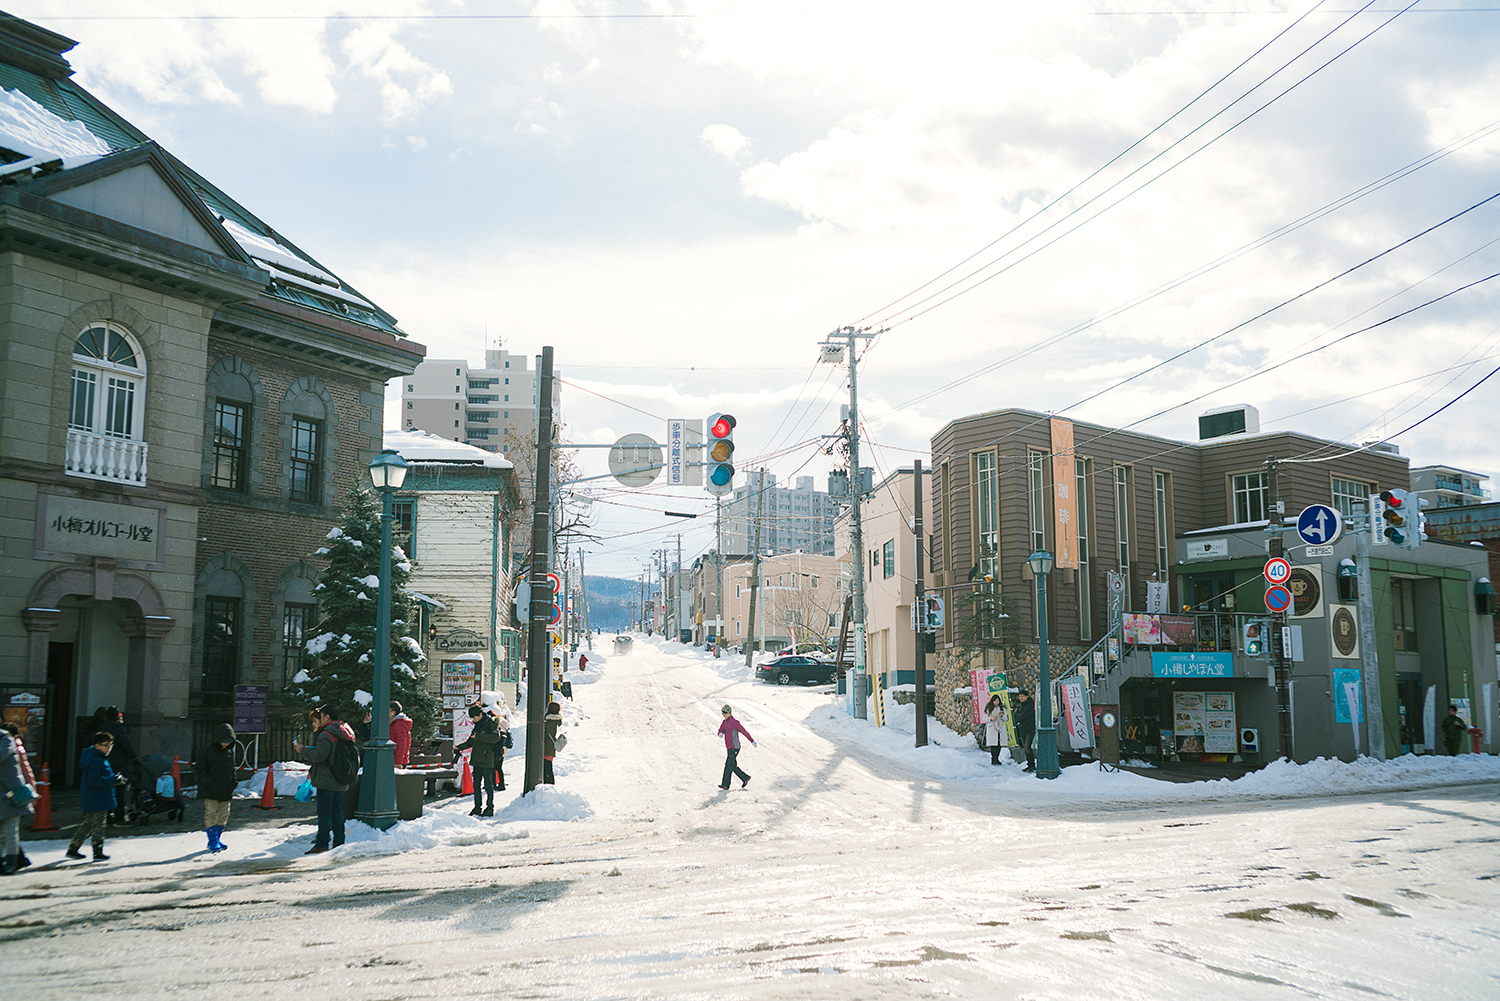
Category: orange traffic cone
[176,776]
[268,796]
[466,786]
[43,819]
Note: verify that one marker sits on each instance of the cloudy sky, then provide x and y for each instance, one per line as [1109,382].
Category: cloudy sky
[1037,201]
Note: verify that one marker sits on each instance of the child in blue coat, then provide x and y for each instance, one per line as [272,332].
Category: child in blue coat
[96,795]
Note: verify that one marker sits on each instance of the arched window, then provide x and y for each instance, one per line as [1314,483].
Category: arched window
[106,414]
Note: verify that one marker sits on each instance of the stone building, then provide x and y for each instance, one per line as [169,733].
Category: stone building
[184,398]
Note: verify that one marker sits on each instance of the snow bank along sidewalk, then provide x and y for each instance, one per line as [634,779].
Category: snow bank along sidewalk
[953,757]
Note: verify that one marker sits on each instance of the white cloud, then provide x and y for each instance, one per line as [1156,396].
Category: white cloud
[181,58]
[417,143]
[725,140]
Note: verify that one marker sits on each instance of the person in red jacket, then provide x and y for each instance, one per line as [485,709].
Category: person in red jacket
[730,730]
[401,734]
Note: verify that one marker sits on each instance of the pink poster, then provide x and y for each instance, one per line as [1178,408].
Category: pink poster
[979,692]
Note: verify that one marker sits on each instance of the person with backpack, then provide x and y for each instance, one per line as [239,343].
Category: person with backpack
[483,742]
[334,757]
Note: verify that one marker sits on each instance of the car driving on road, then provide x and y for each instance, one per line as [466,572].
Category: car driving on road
[797,670]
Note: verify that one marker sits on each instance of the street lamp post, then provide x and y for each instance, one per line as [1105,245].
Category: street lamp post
[377,787]
[1046,733]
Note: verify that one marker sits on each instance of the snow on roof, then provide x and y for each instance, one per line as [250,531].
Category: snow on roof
[27,127]
[420,446]
[427,599]
[268,250]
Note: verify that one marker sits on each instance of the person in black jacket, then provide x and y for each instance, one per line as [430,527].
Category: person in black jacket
[481,745]
[122,759]
[1454,728]
[1025,723]
[214,770]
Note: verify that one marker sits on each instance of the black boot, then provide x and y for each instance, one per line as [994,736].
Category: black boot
[22,861]
[99,855]
[476,811]
[7,865]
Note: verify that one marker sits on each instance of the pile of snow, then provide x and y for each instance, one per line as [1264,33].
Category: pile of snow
[434,829]
[547,802]
[950,756]
[289,775]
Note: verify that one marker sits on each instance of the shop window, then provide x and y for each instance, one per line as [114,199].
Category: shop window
[1404,613]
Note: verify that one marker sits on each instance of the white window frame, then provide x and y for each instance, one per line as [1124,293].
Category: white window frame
[1241,487]
[100,373]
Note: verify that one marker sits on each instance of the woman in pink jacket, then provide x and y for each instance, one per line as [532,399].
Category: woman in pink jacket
[730,730]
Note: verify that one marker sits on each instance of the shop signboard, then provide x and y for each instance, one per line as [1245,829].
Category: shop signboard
[979,685]
[1344,631]
[1346,710]
[26,707]
[1188,721]
[249,709]
[1192,664]
[1076,712]
[1306,585]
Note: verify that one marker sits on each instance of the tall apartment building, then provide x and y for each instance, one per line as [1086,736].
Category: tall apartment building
[791,518]
[1449,486]
[478,406]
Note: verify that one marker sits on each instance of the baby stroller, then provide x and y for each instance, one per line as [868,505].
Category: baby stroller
[153,792]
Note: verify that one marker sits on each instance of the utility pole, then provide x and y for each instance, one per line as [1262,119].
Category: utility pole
[677,590]
[718,575]
[760,496]
[588,632]
[538,665]
[920,607]
[853,335]
[1369,656]
[1280,661]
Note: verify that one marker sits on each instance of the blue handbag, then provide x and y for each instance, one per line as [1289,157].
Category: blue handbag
[305,792]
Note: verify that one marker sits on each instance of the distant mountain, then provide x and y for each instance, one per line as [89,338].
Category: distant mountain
[613,602]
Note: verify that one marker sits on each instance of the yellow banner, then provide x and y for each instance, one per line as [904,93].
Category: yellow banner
[1064,501]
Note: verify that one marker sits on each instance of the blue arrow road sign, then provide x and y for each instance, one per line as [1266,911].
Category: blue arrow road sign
[1319,524]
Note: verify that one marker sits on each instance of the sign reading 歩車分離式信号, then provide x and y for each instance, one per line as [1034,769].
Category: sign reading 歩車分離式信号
[1192,665]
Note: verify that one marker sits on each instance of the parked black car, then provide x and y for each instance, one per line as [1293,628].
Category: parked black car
[799,670]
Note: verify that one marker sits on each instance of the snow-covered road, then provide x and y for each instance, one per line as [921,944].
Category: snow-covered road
[851,867]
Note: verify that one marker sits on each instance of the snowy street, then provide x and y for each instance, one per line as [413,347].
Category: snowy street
[848,868]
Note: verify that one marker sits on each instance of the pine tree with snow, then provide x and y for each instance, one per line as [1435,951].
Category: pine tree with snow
[343,673]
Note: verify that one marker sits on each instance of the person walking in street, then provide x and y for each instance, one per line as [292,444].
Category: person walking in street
[994,727]
[214,768]
[122,759]
[549,740]
[1454,727]
[401,734]
[96,795]
[1025,723]
[17,791]
[481,745]
[330,790]
[730,730]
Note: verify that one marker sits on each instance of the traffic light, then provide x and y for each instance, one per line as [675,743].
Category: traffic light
[1398,514]
[719,461]
[1255,638]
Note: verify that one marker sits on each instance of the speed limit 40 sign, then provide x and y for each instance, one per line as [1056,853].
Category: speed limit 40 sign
[1278,570]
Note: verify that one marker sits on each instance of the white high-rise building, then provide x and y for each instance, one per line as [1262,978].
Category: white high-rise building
[791,518]
[479,406]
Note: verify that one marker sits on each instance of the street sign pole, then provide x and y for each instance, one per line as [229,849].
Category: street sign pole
[1369,661]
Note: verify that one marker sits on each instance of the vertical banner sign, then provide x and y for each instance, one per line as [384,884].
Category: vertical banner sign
[1080,720]
[676,452]
[1064,503]
[978,688]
